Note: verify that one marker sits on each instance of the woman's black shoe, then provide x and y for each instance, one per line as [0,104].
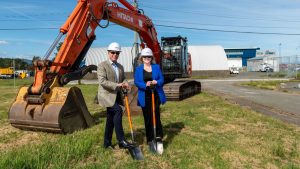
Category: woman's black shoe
[125,144]
[109,146]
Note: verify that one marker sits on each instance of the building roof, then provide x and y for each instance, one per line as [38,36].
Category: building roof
[256,48]
[257,58]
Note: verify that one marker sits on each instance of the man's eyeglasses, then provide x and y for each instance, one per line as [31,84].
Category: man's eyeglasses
[147,56]
[113,52]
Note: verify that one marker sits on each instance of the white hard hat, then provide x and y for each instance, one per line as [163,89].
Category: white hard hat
[146,52]
[114,47]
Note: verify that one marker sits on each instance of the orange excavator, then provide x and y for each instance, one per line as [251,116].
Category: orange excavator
[49,106]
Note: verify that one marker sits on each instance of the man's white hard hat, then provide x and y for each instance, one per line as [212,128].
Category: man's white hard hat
[146,52]
[114,47]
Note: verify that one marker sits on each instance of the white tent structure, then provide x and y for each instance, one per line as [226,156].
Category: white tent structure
[96,55]
[208,58]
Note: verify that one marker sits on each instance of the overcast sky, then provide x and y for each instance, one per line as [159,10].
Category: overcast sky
[267,24]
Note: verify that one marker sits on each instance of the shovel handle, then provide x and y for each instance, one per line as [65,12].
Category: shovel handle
[153,109]
[128,112]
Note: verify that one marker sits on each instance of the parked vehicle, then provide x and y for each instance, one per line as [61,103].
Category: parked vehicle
[6,73]
[269,69]
[234,70]
[265,68]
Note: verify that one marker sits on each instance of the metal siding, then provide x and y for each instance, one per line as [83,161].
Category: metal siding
[235,62]
[248,53]
[245,54]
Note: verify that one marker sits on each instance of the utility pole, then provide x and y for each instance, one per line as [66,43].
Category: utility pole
[135,38]
[14,73]
[279,50]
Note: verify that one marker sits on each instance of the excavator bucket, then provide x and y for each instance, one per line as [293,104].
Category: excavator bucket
[63,110]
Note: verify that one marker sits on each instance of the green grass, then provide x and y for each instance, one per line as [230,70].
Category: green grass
[200,132]
[8,90]
[298,76]
[278,74]
[269,85]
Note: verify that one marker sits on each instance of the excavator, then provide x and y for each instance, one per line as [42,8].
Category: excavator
[48,105]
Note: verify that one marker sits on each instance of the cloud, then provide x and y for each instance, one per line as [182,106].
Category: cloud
[3,42]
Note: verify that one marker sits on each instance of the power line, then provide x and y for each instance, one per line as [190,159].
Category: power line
[231,31]
[25,29]
[176,27]
[242,26]
[218,16]
[43,14]
[180,22]
[26,20]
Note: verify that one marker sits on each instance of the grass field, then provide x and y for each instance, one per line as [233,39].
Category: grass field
[269,85]
[200,132]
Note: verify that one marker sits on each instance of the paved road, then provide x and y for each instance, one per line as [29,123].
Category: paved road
[280,105]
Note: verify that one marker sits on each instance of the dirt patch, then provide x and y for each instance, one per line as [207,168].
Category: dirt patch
[237,160]
[13,138]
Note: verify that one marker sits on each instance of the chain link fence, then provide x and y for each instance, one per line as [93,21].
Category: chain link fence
[286,66]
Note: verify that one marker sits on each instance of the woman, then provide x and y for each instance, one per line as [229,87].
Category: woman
[146,75]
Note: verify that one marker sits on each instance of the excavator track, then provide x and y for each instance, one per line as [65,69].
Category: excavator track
[181,89]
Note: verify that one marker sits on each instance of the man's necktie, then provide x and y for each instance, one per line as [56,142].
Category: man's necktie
[116,72]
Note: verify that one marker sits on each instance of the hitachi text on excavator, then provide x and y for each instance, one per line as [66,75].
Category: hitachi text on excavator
[47,105]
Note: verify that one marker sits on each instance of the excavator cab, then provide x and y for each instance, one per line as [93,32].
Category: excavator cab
[175,63]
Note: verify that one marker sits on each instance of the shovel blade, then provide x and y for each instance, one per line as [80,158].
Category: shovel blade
[153,146]
[136,153]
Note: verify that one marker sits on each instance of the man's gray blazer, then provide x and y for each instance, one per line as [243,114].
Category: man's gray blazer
[107,90]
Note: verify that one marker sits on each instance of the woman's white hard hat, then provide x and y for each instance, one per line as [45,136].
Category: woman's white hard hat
[146,52]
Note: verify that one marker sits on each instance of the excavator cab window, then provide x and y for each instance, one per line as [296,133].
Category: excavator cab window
[175,56]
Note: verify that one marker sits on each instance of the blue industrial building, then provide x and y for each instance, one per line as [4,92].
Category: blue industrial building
[241,53]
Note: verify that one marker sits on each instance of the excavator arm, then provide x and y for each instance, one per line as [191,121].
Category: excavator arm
[80,33]
[47,105]
[81,25]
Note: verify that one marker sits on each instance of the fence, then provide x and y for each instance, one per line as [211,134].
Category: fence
[286,66]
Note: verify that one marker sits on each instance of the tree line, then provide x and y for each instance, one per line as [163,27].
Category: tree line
[20,64]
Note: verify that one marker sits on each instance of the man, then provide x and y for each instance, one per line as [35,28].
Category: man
[111,80]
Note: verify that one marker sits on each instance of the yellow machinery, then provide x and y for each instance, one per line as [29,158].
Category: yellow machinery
[6,73]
